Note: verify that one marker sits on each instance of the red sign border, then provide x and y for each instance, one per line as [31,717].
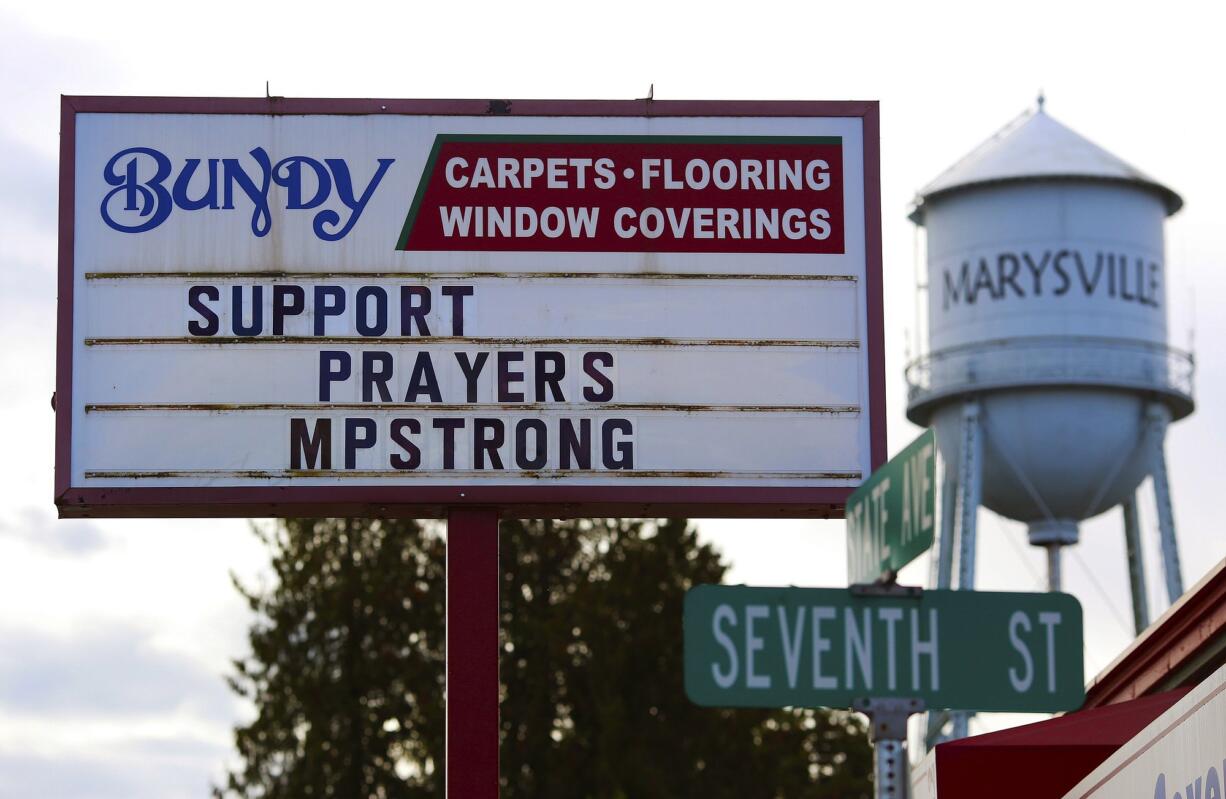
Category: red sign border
[545,501]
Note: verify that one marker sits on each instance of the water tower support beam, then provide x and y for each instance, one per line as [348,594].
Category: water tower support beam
[1159,417]
[1054,577]
[970,478]
[949,531]
[1136,565]
[943,575]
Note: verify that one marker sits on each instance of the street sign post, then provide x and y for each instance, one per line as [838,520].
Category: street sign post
[891,517]
[828,647]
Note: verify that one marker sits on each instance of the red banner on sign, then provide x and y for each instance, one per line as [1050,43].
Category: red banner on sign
[629,194]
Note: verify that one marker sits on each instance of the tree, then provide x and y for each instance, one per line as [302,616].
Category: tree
[346,673]
[595,705]
[346,664]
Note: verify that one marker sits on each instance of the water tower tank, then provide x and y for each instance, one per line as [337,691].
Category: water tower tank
[1047,359]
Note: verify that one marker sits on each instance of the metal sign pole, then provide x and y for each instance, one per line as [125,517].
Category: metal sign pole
[888,716]
[473,579]
[888,722]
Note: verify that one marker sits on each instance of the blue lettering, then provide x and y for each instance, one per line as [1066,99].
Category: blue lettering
[196,297]
[286,301]
[353,442]
[140,201]
[261,219]
[344,187]
[208,199]
[288,173]
[365,326]
[257,311]
[329,301]
[149,199]
[335,366]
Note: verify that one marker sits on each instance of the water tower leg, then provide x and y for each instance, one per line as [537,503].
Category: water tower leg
[943,574]
[1136,566]
[1159,417]
[961,725]
[1054,578]
[949,529]
[970,477]
[1053,535]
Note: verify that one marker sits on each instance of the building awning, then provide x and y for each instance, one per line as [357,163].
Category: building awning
[1177,654]
[1177,756]
[1038,760]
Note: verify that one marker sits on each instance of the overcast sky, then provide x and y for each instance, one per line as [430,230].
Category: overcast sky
[114,635]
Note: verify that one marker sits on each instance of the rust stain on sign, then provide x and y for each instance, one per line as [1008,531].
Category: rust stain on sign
[272,474]
[426,276]
[536,407]
[491,341]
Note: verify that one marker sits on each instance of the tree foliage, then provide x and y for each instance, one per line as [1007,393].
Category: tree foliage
[346,673]
[346,664]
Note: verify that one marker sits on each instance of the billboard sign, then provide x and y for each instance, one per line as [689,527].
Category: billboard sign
[827,647]
[274,307]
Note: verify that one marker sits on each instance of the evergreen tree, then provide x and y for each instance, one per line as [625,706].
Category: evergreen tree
[346,665]
[346,673]
[595,704]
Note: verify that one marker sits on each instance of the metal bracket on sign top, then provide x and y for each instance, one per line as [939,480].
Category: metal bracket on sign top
[886,588]
[888,715]
[888,728]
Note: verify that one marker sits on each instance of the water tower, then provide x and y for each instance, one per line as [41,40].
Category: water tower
[1048,376]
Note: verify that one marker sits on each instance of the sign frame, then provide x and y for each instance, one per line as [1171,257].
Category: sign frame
[544,501]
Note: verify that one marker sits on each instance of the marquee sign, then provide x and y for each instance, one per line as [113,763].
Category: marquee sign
[275,307]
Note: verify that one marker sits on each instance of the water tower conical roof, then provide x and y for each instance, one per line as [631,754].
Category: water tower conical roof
[1036,147]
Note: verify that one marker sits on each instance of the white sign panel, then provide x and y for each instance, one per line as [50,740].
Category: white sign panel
[429,304]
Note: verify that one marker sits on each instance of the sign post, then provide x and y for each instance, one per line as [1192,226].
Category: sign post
[472,309]
[891,520]
[888,731]
[473,579]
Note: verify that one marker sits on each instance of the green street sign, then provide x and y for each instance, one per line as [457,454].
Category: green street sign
[825,647]
[891,517]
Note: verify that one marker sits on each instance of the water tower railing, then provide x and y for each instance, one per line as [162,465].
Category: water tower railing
[1053,360]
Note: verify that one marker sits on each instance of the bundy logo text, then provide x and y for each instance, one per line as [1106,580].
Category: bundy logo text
[146,192]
